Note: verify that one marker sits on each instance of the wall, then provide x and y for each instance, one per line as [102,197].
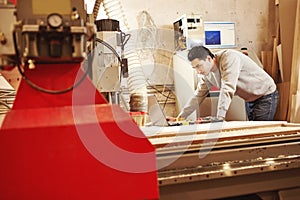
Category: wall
[254,18]
[255,25]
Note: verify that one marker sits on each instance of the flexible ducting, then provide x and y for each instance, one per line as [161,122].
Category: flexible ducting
[136,81]
[96,9]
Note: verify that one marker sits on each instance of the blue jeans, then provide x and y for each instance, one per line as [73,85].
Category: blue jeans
[263,108]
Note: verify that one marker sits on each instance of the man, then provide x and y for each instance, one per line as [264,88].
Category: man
[233,73]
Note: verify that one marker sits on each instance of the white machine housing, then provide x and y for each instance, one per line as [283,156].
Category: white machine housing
[106,67]
[189,30]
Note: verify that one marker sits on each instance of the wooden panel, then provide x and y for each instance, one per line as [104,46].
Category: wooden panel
[266,59]
[199,133]
[283,104]
[279,55]
[274,68]
[295,83]
[287,13]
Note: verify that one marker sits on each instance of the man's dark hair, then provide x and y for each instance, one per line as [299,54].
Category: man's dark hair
[200,52]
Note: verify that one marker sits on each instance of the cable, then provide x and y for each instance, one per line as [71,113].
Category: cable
[38,88]
[5,104]
[136,78]
[166,100]
[96,9]
[158,91]
[113,50]
[110,48]
[124,39]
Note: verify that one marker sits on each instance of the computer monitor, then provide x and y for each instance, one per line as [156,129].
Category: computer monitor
[219,34]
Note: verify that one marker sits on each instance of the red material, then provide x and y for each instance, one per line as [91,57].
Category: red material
[214,88]
[137,113]
[73,145]
[8,68]
[56,77]
[13,2]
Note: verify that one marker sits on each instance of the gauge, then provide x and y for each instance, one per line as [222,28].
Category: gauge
[55,20]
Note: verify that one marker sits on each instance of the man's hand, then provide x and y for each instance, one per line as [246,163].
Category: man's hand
[171,119]
[220,118]
[217,119]
[174,119]
[209,119]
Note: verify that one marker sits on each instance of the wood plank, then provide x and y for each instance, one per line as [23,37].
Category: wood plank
[226,134]
[287,14]
[173,131]
[279,55]
[295,82]
[275,63]
[274,68]
[283,104]
[295,109]
[266,59]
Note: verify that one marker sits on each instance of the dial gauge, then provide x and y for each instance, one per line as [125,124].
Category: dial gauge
[55,20]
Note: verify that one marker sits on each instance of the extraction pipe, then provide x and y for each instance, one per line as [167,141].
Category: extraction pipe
[136,80]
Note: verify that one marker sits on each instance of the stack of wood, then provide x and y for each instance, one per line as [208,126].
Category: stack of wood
[295,73]
[282,63]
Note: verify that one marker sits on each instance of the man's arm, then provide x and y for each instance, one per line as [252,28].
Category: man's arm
[199,95]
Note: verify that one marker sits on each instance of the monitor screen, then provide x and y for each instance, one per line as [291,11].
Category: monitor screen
[220,34]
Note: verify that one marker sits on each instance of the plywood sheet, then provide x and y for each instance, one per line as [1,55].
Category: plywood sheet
[295,82]
[266,59]
[287,14]
[283,104]
[279,55]
[295,109]
[198,133]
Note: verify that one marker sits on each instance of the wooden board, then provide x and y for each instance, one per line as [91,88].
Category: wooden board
[195,134]
[274,68]
[279,55]
[266,59]
[287,14]
[283,104]
[295,109]
[295,82]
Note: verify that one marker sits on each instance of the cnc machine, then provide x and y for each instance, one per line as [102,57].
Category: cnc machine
[62,139]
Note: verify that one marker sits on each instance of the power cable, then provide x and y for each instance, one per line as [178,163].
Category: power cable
[35,86]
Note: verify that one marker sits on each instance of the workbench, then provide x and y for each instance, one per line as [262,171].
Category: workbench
[225,159]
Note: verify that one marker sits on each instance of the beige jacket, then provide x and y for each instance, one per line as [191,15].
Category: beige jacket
[237,74]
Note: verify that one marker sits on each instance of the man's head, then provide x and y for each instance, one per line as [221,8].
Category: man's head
[202,60]
[199,52]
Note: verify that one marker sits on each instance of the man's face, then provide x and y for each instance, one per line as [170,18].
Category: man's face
[203,66]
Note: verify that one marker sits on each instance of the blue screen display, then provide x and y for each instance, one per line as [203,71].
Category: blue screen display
[212,37]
